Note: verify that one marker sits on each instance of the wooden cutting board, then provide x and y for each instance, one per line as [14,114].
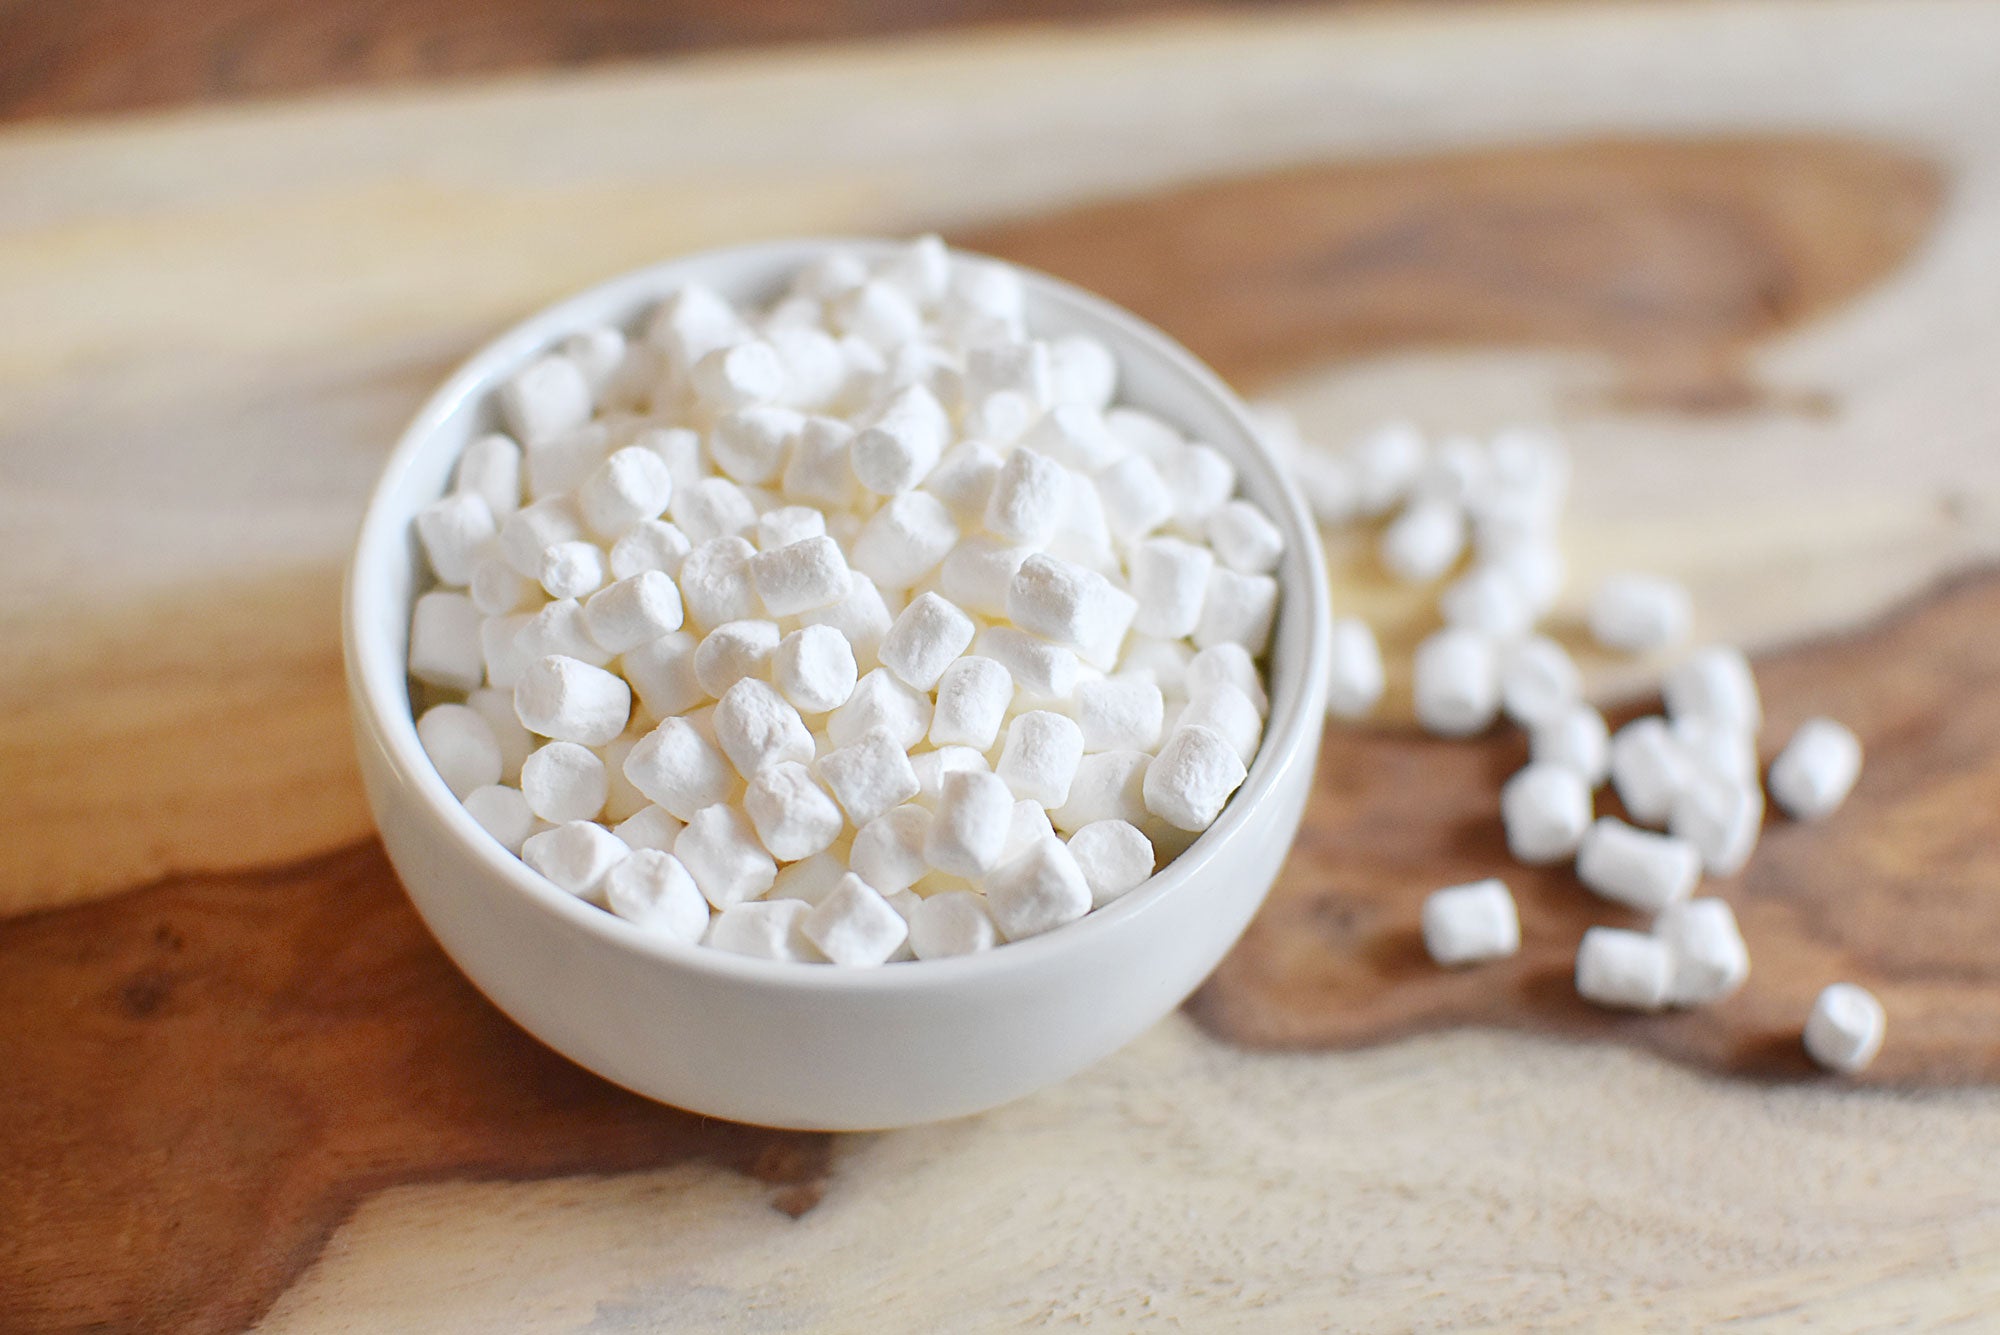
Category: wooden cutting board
[1741,256]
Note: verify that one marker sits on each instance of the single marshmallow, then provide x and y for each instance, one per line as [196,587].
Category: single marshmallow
[497,590]
[735,377]
[878,314]
[969,829]
[869,776]
[1623,970]
[1357,679]
[500,650]
[1227,663]
[1844,1031]
[793,815]
[1466,924]
[533,529]
[1717,684]
[1030,494]
[693,322]
[963,480]
[1199,479]
[559,466]
[1710,959]
[1575,738]
[933,766]
[716,584]
[749,445]
[679,769]
[490,469]
[514,741]
[544,399]
[1137,498]
[814,669]
[899,449]
[652,827]
[1109,785]
[721,852]
[1244,538]
[572,569]
[1230,713]
[1637,614]
[1546,809]
[1029,822]
[757,727]
[1043,673]
[445,642]
[952,923]
[1456,682]
[880,701]
[1486,599]
[1534,566]
[861,618]
[1040,756]
[905,539]
[1163,662]
[811,879]
[572,701]
[1721,817]
[621,799]
[454,532]
[801,576]
[1191,778]
[576,856]
[1424,542]
[653,891]
[711,508]
[1817,769]
[461,744]
[819,471]
[1037,891]
[650,544]
[926,638]
[888,852]
[1237,608]
[564,782]
[973,695]
[1169,582]
[1538,681]
[1067,604]
[631,485]
[598,353]
[1075,437]
[1636,868]
[771,929]
[633,611]
[732,651]
[853,925]
[1386,465]
[1717,749]
[503,813]
[1082,371]
[662,672]
[1125,713]
[560,627]
[786,525]
[1114,856]
[1014,367]
[1649,767]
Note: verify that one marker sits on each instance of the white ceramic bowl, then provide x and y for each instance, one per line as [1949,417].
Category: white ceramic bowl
[814,1046]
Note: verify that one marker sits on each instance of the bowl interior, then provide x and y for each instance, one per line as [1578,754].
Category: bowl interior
[1156,374]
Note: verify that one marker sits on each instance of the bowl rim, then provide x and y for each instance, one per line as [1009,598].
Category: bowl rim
[383,701]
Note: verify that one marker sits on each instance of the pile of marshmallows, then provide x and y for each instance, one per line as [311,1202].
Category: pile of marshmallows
[1490,512]
[931,645]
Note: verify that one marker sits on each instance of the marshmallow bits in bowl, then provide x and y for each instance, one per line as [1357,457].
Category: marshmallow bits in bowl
[836,684]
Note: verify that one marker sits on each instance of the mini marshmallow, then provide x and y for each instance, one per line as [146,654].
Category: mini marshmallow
[801,576]
[571,701]
[694,322]
[721,853]
[1136,497]
[932,766]
[1125,713]
[963,480]
[853,925]
[880,701]
[572,569]
[651,827]
[1237,609]
[711,508]
[763,929]
[545,398]
[878,314]
[560,627]
[650,544]
[1468,924]
[904,540]
[679,769]
[514,741]
[793,815]
[733,651]
[973,695]
[533,529]
[490,469]
[1231,714]
[598,353]
[1043,673]
[454,531]
[1169,582]
[1709,957]
[899,449]
[1456,682]
[1029,823]
[1623,970]
[1037,891]
[1844,1031]
[1721,818]
[1163,662]
[819,471]
[1487,599]
[980,570]
[559,466]
[503,813]
[1020,367]
[1649,767]
[1030,494]
[497,590]
[861,618]
[749,445]
[786,525]
[1718,749]
[1357,679]
[1637,614]
[446,647]
[1538,681]
[1115,858]
[1227,663]
[1546,809]
[621,799]
[1109,785]
[1636,868]
[1534,567]
[926,638]
[462,746]
[1191,778]
[1457,471]
[662,672]
[1386,465]
[814,669]
[811,879]
[500,649]
[653,891]
[888,852]
[869,776]
[1577,739]
[576,856]
[1067,604]
[631,484]
[1075,437]
[952,923]
[1817,769]
[1084,534]
[1424,542]
[757,727]
[564,782]
[1082,371]
[716,584]
[968,831]
[1199,479]
[1244,538]
[1714,683]
[1039,759]
[747,373]
[633,611]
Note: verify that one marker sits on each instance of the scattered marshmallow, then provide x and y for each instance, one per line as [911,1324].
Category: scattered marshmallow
[1636,868]
[1649,768]
[1466,924]
[1638,614]
[1456,683]
[1623,970]
[1715,684]
[1817,769]
[1844,1031]
[1546,809]
[1710,961]
[1576,738]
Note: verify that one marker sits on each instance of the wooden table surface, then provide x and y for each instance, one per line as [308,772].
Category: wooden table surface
[1743,256]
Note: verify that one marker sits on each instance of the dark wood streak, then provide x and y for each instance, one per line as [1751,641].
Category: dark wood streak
[200,1080]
